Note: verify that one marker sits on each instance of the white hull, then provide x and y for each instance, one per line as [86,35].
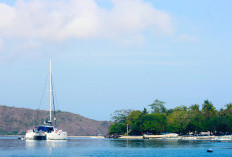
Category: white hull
[54,135]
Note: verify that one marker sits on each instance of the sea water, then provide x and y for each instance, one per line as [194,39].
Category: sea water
[11,146]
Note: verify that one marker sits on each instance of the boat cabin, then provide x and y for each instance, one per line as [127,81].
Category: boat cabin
[45,129]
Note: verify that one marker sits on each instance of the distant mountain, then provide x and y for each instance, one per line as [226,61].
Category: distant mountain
[15,121]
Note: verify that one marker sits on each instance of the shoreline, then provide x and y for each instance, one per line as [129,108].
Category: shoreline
[156,137]
[181,138]
[68,136]
[88,136]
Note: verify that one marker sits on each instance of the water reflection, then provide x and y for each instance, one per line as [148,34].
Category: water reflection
[10,143]
[48,144]
[110,147]
[129,143]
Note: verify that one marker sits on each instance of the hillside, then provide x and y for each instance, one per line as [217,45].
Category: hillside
[16,121]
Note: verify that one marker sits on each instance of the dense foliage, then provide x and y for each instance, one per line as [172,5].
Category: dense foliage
[181,120]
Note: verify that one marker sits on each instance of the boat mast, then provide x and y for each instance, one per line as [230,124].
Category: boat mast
[50,90]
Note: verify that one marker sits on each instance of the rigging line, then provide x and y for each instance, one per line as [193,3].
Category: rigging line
[53,101]
[55,97]
[56,100]
[41,99]
[46,112]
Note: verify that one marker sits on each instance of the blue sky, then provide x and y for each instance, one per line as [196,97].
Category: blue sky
[119,54]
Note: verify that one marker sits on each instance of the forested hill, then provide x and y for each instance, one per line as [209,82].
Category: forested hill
[15,121]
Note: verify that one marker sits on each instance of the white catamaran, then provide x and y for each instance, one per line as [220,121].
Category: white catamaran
[47,131]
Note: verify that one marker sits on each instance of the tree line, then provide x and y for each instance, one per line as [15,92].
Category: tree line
[182,120]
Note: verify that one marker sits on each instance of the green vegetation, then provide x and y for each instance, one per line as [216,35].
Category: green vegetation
[181,120]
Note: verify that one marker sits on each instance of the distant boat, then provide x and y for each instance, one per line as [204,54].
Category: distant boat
[210,150]
[47,131]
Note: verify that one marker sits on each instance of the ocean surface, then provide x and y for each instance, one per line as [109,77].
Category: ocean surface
[11,146]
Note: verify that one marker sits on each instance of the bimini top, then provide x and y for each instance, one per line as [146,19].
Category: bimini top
[45,128]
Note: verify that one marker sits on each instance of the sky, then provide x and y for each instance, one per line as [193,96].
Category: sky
[115,54]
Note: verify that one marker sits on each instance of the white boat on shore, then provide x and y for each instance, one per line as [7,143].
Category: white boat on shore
[162,136]
[47,131]
[222,138]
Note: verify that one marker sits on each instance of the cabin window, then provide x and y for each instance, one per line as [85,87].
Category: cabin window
[45,129]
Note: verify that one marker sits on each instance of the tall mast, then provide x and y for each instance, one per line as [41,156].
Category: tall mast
[50,90]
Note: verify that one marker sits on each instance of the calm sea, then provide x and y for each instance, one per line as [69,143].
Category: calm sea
[11,146]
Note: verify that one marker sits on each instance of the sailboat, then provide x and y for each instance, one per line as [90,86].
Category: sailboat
[47,131]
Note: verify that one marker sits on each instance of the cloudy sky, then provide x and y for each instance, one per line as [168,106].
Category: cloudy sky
[115,54]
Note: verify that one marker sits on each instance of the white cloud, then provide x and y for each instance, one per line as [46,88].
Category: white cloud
[81,19]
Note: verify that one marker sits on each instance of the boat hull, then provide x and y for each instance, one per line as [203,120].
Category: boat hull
[54,135]
[40,137]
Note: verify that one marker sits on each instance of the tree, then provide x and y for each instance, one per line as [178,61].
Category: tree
[133,117]
[178,120]
[209,114]
[195,117]
[180,108]
[224,119]
[144,112]
[154,123]
[118,121]
[132,121]
[229,109]
[194,108]
[158,107]
[117,128]
[119,116]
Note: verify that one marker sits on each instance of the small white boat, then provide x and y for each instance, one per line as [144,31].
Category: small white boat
[47,131]
[223,138]
[210,150]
